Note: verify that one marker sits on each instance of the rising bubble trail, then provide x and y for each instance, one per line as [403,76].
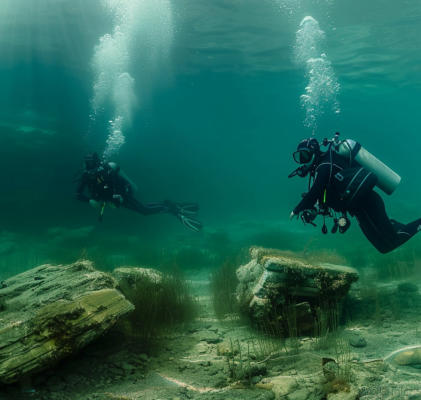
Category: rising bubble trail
[321,92]
[139,27]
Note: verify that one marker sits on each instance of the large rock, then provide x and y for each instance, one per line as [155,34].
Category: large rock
[52,311]
[128,276]
[407,356]
[275,284]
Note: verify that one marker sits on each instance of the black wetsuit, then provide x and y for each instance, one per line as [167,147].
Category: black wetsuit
[385,234]
[105,184]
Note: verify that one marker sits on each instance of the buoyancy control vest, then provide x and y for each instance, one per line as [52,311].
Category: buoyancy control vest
[352,184]
[361,171]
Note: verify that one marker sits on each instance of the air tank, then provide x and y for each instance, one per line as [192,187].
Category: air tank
[387,179]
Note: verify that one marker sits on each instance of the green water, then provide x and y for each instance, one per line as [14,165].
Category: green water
[216,120]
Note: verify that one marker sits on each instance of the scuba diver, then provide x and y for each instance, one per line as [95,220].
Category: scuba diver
[341,181]
[107,184]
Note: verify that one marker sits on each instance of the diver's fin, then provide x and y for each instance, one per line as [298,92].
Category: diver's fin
[190,223]
[188,208]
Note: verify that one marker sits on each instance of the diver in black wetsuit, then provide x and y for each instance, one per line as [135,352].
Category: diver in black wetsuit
[106,184]
[342,185]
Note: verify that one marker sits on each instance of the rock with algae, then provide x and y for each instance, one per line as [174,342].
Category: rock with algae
[128,276]
[271,279]
[52,311]
[408,356]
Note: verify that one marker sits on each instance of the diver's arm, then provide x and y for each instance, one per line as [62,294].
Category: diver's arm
[315,193]
[80,189]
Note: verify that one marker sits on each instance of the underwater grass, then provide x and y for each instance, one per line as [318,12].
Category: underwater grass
[242,365]
[223,287]
[161,303]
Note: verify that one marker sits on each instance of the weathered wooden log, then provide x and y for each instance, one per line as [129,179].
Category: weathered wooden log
[50,312]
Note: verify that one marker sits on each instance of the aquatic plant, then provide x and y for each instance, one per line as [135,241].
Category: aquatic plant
[240,365]
[265,346]
[337,370]
[291,327]
[223,286]
[343,356]
[326,325]
[160,304]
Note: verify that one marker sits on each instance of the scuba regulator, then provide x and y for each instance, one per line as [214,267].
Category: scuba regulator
[341,224]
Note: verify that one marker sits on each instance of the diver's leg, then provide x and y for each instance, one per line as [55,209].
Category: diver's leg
[145,209]
[406,232]
[183,212]
[376,225]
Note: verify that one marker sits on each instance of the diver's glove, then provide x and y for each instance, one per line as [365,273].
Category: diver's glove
[185,212]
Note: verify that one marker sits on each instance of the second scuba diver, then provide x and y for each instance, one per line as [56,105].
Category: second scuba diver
[107,184]
[342,180]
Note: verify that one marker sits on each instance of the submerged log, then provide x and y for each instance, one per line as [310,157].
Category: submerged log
[52,311]
[278,286]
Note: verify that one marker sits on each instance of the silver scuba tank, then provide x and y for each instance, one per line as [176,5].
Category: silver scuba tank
[387,179]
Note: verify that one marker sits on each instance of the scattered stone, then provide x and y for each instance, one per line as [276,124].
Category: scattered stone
[282,385]
[408,356]
[50,318]
[355,339]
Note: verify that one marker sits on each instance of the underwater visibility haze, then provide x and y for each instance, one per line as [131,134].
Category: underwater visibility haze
[201,102]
